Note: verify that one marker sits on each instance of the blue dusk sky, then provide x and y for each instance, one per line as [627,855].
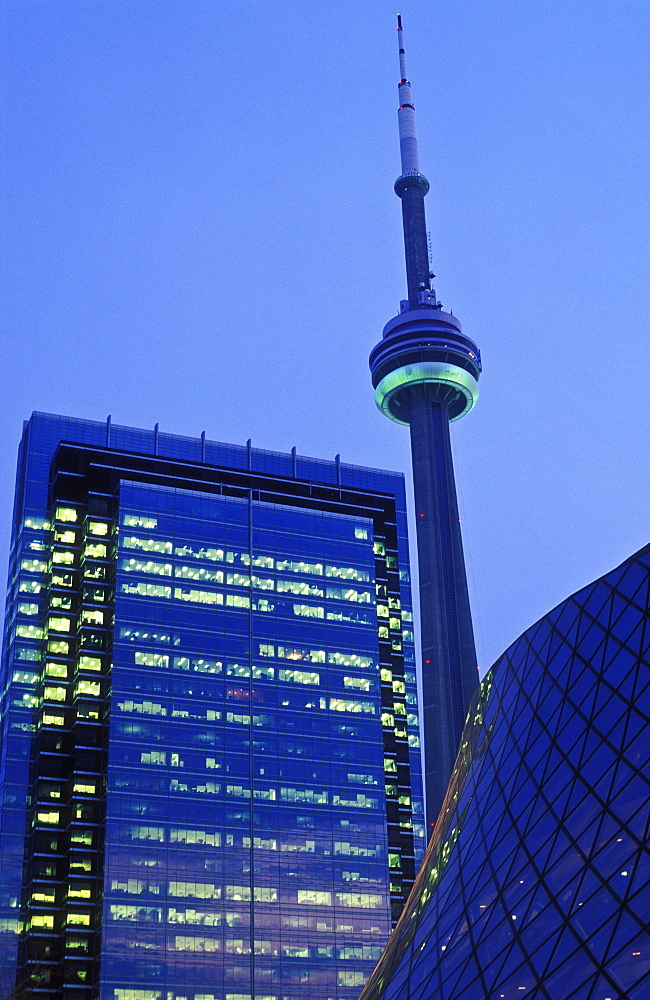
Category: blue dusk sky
[199,229]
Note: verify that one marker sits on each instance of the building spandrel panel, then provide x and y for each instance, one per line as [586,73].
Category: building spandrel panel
[536,880]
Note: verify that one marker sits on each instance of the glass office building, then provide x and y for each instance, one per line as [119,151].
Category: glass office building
[535,883]
[210,759]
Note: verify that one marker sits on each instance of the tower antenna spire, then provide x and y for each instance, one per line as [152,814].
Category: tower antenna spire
[408,140]
[411,186]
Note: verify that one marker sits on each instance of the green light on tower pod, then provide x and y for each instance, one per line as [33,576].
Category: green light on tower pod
[439,373]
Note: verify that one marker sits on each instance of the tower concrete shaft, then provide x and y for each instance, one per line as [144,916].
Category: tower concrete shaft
[449,674]
[425,373]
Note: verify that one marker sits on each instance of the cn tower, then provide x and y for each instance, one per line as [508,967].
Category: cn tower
[425,373]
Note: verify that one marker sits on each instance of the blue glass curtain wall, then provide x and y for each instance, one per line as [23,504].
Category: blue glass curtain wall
[535,882]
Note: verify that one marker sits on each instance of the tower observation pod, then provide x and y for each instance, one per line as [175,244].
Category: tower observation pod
[425,373]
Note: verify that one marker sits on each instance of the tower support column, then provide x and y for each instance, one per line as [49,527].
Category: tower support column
[447,639]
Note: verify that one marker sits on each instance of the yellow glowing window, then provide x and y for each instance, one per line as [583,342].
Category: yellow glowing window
[33,565]
[25,653]
[97,528]
[299,587]
[349,594]
[51,817]
[304,795]
[42,920]
[361,683]
[36,522]
[58,646]
[214,555]
[146,589]
[84,789]
[93,572]
[66,514]
[237,601]
[196,573]
[148,545]
[54,693]
[94,617]
[265,894]
[148,566]
[202,944]
[387,720]
[363,900]
[90,663]
[29,632]
[95,550]
[152,659]
[66,537]
[360,532]
[47,896]
[195,837]
[59,624]
[145,707]
[91,689]
[197,596]
[63,558]
[25,677]
[30,587]
[79,890]
[349,660]
[61,579]
[299,676]
[52,720]
[65,603]
[27,609]
[360,801]
[348,705]
[78,920]
[390,765]
[139,521]
[200,890]
[137,994]
[315,569]
[362,779]
[315,896]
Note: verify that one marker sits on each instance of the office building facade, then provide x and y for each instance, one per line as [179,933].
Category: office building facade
[536,880]
[210,756]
